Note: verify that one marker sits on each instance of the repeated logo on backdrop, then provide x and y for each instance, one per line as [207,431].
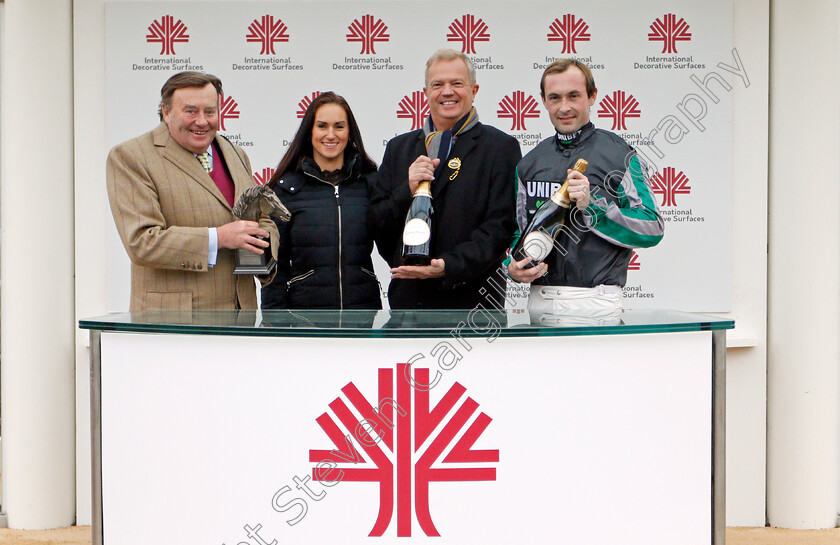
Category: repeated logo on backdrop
[414,107]
[668,30]
[374,55]
[518,107]
[266,31]
[263,176]
[468,30]
[385,438]
[569,31]
[228,110]
[669,184]
[368,32]
[167,32]
[671,30]
[635,290]
[305,102]
[619,106]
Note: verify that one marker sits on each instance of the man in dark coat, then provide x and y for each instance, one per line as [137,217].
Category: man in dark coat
[473,168]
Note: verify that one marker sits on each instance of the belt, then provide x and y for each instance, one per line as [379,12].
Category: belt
[576,291]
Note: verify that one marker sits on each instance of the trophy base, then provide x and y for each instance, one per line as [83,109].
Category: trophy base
[258,270]
[247,262]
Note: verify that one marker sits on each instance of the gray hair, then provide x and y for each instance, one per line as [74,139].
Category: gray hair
[449,55]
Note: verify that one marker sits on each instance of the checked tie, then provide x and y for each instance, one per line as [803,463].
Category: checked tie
[206,161]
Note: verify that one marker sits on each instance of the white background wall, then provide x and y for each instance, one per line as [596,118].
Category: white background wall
[746,383]
[803,420]
[37,264]
[746,365]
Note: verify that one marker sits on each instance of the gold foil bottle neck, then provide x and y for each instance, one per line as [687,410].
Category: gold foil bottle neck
[424,188]
[561,196]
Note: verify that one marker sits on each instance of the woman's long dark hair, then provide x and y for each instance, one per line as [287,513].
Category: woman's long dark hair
[301,146]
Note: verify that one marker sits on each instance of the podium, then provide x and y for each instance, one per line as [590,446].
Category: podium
[229,427]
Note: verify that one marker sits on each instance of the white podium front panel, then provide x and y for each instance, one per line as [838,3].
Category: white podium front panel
[590,439]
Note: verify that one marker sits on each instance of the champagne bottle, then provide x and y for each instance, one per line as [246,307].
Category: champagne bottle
[537,240]
[417,233]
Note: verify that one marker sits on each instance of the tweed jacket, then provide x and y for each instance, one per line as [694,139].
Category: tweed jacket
[163,202]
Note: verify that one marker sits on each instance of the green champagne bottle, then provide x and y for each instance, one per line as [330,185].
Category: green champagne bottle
[417,233]
[537,240]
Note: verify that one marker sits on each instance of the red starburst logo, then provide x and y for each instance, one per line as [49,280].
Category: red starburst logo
[669,31]
[399,468]
[227,111]
[414,107]
[167,32]
[669,184]
[304,103]
[569,31]
[468,30]
[368,32]
[518,108]
[635,264]
[262,177]
[619,106]
[267,32]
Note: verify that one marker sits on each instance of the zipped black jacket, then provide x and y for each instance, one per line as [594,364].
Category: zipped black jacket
[324,259]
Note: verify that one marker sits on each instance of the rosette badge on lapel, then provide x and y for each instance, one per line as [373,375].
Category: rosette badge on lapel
[454,164]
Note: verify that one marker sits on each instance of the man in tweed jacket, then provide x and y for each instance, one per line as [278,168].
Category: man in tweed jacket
[174,215]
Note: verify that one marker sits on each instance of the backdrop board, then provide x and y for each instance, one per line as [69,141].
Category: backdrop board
[665,73]
[313,430]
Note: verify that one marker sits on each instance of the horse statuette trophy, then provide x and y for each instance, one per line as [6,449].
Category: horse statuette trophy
[252,204]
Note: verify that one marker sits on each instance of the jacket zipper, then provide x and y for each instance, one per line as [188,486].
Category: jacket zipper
[300,277]
[340,282]
[338,205]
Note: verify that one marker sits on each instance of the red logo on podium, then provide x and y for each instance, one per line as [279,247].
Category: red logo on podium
[569,31]
[167,32]
[669,31]
[385,437]
[635,264]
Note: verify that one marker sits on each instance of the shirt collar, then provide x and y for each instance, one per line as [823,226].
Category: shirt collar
[566,140]
[209,150]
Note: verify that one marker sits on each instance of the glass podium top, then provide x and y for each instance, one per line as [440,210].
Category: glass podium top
[401,323]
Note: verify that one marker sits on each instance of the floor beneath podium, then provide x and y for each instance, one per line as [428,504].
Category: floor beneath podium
[80,535]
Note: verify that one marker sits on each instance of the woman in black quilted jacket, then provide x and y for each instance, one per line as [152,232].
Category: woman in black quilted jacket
[324,259]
